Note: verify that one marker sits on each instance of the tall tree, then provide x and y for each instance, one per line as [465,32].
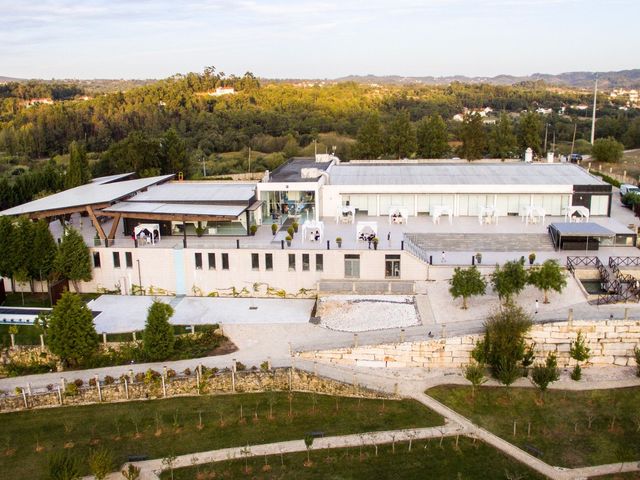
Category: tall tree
[25,254]
[509,280]
[70,332]
[369,143]
[432,137]
[473,136]
[173,151]
[547,277]
[401,136]
[466,283]
[530,132]
[503,142]
[73,259]
[44,248]
[158,338]
[8,259]
[78,172]
[607,150]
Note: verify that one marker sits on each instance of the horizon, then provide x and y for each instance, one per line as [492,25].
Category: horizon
[314,39]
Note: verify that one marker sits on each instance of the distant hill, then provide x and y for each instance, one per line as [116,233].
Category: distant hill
[90,86]
[623,78]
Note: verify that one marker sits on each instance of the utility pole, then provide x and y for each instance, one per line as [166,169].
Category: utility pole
[315,147]
[546,131]
[249,159]
[204,166]
[573,142]
[593,117]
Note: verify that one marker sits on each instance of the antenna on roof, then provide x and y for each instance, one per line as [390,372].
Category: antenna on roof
[593,117]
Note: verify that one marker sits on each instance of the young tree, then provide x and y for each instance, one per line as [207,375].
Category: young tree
[544,374]
[44,248]
[131,472]
[308,443]
[503,142]
[607,150]
[509,280]
[158,339]
[71,333]
[101,463]
[401,136]
[78,172]
[432,137]
[473,137]
[466,283]
[547,277]
[474,372]
[530,131]
[369,142]
[579,351]
[73,259]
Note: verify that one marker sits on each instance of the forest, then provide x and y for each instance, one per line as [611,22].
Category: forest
[179,125]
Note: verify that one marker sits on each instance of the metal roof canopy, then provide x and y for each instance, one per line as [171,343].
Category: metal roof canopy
[197,192]
[461,174]
[174,209]
[588,229]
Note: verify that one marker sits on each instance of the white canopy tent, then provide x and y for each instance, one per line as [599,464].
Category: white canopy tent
[150,232]
[345,214]
[576,213]
[438,210]
[398,215]
[488,215]
[533,214]
[366,231]
[312,231]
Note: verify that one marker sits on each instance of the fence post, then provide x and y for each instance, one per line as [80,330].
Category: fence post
[104,338]
[402,335]
[59,395]
[443,333]
[626,313]
[42,342]
[198,381]
[570,317]
[193,329]
[29,389]
[98,387]
[134,336]
[131,375]
[164,388]
[126,388]
[290,379]
[233,376]
[355,340]
[13,340]
[24,397]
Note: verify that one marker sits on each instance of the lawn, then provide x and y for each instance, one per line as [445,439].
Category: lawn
[426,460]
[172,426]
[560,424]
[38,300]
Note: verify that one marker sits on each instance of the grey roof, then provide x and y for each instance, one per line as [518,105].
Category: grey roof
[461,174]
[291,171]
[197,192]
[111,178]
[177,209]
[588,229]
[89,194]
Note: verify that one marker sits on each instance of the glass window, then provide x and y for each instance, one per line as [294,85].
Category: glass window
[352,266]
[198,259]
[305,262]
[212,261]
[96,259]
[268,261]
[116,259]
[255,261]
[225,261]
[319,262]
[292,261]
[128,259]
[392,266]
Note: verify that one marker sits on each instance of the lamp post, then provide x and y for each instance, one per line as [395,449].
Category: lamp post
[139,274]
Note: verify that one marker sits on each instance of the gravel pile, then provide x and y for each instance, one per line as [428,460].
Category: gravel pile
[361,313]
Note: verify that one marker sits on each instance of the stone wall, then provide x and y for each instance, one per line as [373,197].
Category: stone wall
[611,343]
[281,379]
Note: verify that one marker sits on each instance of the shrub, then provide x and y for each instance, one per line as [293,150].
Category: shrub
[71,390]
[79,382]
[101,463]
[171,373]
[92,382]
[544,374]
[264,366]
[274,228]
[474,372]
[139,377]
[187,372]
[636,353]
[158,337]
[576,373]
[240,366]
[290,231]
[607,150]
[50,387]
[63,466]
[109,380]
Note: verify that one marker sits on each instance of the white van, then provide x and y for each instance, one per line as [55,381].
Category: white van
[628,188]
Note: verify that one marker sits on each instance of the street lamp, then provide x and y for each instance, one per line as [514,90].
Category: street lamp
[139,275]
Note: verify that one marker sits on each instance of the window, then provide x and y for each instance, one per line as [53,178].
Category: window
[352,266]
[198,259]
[128,259]
[392,266]
[225,261]
[319,262]
[305,262]
[268,261]
[255,261]
[212,261]
[116,259]
[292,261]
[96,259]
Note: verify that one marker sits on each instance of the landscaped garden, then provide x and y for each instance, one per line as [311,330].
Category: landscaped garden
[426,459]
[571,429]
[191,424]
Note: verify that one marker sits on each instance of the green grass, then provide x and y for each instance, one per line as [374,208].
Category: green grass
[38,300]
[27,335]
[113,425]
[426,460]
[559,426]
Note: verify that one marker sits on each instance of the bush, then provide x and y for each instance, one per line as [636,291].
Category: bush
[636,353]
[607,150]
[240,366]
[576,373]
[79,382]
[171,373]
[63,466]
[158,339]
[109,380]
[543,375]
[71,390]
[187,372]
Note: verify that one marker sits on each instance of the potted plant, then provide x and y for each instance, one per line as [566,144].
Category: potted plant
[199,230]
[288,239]
[295,226]
[376,240]
[478,258]
[339,241]
[96,240]
[253,229]
[290,231]
[274,228]
[532,258]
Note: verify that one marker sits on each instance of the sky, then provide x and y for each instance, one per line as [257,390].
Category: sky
[315,38]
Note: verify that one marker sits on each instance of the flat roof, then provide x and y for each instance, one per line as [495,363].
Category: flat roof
[461,174]
[111,178]
[89,194]
[291,171]
[197,192]
[176,209]
[588,229]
